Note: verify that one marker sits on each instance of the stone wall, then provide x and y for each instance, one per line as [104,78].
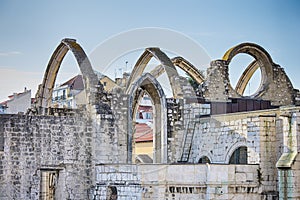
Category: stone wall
[278,89]
[34,144]
[82,151]
[177,181]
[289,160]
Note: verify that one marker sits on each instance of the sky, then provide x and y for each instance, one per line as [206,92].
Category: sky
[31,30]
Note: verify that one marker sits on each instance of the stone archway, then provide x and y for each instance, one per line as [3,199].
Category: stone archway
[262,60]
[245,78]
[149,84]
[165,62]
[44,93]
[183,64]
[190,69]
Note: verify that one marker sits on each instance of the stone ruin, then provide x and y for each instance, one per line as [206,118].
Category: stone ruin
[87,153]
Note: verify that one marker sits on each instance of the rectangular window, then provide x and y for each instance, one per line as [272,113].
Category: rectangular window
[64,94]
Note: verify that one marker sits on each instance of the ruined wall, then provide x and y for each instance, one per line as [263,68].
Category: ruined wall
[87,155]
[165,181]
[111,130]
[65,144]
[34,144]
[217,137]
[217,86]
[278,89]
[289,161]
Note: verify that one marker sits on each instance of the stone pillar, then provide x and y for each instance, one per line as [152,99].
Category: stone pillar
[217,84]
[289,163]
[268,173]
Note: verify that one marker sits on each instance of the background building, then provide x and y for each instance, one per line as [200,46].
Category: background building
[17,103]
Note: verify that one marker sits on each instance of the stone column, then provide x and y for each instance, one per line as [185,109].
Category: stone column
[267,174]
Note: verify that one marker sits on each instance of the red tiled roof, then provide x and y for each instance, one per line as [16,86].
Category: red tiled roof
[143,133]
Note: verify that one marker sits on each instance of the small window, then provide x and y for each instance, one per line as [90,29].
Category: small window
[64,94]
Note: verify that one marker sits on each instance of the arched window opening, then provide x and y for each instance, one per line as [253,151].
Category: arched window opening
[204,160]
[143,126]
[148,85]
[239,156]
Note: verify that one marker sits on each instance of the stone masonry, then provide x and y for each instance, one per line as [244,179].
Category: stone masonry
[209,142]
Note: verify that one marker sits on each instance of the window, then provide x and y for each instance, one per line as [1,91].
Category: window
[239,156]
[64,94]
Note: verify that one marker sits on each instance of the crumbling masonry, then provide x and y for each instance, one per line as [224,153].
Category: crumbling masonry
[250,144]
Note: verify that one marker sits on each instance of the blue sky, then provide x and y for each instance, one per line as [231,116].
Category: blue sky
[31,30]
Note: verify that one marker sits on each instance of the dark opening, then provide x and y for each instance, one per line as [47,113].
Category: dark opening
[112,193]
[239,156]
[204,160]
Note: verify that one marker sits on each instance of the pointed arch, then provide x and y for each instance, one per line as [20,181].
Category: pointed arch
[245,77]
[165,62]
[183,64]
[45,90]
[149,84]
[189,68]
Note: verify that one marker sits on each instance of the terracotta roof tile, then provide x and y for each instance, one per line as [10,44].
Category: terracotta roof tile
[143,133]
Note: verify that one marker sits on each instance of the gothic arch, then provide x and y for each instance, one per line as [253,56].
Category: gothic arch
[183,64]
[165,62]
[44,93]
[190,69]
[262,60]
[149,84]
[246,76]
[232,149]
